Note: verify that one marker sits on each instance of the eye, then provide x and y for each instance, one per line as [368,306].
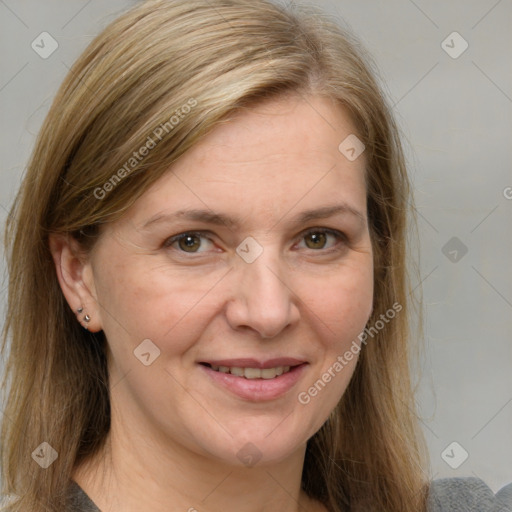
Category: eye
[191,242]
[322,238]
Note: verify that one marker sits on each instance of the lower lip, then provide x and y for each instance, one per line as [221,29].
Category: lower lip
[257,390]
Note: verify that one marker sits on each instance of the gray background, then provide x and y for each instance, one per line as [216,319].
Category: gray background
[456,116]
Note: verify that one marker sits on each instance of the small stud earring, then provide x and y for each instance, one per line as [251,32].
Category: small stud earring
[79,310]
[87,318]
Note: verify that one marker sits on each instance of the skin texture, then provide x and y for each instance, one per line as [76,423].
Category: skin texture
[175,432]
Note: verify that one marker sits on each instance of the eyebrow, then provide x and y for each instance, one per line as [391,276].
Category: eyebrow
[210,217]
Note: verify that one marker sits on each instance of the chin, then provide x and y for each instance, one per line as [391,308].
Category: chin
[257,445]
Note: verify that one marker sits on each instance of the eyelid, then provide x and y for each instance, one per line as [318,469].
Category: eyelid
[329,231]
[175,238]
[339,235]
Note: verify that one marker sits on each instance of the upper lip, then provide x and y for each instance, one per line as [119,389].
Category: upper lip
[248,362]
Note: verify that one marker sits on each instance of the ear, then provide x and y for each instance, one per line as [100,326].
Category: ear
[76,279]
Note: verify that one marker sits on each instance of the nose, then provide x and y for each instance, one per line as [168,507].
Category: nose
[262,301]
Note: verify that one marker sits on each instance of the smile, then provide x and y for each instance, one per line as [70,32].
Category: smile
[255,380]
[252,373]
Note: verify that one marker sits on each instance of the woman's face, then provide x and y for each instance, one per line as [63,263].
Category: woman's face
[251,256]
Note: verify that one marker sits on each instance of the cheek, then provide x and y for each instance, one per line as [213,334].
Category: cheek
[340,303]
[151,302]
[340,310]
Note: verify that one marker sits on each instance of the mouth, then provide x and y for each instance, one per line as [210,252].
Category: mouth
[255,380]
[251,372]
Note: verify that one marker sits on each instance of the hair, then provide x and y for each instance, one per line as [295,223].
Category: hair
[200,61]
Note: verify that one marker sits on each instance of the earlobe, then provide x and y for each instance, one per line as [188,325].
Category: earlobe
[72,269]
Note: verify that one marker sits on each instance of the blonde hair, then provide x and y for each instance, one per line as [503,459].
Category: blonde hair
[217,57]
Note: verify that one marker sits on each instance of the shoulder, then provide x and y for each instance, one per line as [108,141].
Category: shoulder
[78,501]
[467,495]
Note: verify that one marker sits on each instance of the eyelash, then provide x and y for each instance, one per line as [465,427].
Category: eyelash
[341,237]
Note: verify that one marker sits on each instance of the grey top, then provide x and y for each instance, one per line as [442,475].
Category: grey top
[446,495]
[79,501]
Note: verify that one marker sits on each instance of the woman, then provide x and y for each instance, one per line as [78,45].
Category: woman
[208,300]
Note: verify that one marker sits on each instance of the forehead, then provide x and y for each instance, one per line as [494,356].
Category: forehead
[265,161]
[308,128]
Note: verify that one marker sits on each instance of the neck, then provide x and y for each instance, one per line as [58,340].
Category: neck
[131,474]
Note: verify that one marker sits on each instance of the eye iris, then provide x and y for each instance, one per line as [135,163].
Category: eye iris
[189,243]
[316,240]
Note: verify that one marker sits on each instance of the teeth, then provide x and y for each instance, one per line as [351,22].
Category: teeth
[252,373]
[268,373]
[237,371]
